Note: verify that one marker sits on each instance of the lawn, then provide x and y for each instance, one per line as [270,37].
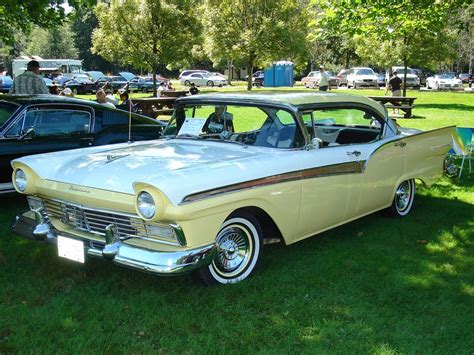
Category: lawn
[376,285]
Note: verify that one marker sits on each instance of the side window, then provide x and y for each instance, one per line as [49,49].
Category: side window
[346,126]
[53,122]
[113,118]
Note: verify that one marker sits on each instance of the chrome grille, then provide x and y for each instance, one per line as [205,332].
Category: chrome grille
[95,221]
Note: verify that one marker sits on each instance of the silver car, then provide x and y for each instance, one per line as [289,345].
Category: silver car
[203,79]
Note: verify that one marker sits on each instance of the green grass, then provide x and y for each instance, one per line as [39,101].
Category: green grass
[376,285]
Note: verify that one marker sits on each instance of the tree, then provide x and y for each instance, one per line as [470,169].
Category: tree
[83,23]
[21,14]
[255,31]
[146,32]
[402,23]
[56,42]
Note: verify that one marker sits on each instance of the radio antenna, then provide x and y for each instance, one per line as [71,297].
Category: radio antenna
[129,116]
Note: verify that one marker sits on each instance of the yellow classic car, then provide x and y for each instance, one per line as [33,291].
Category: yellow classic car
[233,172]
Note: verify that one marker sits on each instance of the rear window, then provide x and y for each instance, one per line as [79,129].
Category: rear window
[6,111]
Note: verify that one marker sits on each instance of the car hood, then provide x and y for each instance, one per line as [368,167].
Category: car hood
[178,167]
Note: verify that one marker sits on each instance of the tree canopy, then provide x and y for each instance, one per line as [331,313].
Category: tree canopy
[255,31]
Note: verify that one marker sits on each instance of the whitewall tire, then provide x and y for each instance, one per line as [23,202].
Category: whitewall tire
[239,247]
[403,200]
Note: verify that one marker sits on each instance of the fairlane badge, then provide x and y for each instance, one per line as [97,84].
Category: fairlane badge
[78,189]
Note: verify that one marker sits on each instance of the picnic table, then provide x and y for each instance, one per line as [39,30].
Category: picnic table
[397,102]
[174,93]
[155,106]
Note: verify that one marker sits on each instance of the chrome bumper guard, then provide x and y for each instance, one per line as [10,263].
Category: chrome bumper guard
[33,225]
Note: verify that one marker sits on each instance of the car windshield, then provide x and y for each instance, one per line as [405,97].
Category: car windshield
[447,76]
[366,71]
[401,70]
[245,125]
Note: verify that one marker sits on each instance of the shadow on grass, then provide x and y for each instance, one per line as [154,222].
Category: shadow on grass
[458,107]
[373,285]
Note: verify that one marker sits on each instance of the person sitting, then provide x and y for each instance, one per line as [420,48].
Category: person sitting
[102,99]
[193,90]
[66,92]
[219,122]
[126,103]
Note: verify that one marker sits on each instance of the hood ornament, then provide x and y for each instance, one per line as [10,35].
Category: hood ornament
[111,158]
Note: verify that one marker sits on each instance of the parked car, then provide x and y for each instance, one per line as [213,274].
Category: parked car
[145,83]
[466,78]
[203,79]
[413,81]
[6,83]
[313,78]
[362,77]
[39,124]
[262,167]
[342,77]
[257,80]
[381,79]
[189,72]
[444,81]
[116,82]
[81,84]
[422,75]
[255,75]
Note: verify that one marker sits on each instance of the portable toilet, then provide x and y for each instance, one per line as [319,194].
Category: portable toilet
[279,74]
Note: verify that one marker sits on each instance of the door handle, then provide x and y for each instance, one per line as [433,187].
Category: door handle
[355,153]
[400,144]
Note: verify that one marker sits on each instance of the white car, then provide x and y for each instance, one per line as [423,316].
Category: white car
[203,79]
[444,81]
[413,81]
[360,77]
[235,172]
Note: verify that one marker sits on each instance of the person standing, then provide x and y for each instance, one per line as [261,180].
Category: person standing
[30,82]
[324,81]
[395,85]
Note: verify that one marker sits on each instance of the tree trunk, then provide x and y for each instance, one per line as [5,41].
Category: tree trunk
[155,70]
[249,76]
[230,70]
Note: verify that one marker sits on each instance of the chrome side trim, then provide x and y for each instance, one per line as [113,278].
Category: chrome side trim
[355,167]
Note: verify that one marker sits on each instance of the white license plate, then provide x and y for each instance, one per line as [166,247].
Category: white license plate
[71,249]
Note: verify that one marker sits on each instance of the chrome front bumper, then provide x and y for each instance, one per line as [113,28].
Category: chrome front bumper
[32,225]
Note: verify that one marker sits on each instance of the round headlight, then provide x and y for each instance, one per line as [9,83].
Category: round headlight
[20,180]
[146,205]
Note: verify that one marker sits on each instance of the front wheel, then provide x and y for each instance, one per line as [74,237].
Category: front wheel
[403,199]
[144,89]
[210,83]
[239,247]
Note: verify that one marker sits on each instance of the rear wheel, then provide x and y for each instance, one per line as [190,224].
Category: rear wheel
[403,199]
[187,83]
[210,83]
[239,247]
[74,91]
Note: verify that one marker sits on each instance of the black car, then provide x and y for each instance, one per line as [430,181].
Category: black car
[81,85]
[40,124]
[115,82]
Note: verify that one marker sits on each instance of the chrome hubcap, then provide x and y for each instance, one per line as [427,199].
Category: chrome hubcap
[403,196]
[233,250]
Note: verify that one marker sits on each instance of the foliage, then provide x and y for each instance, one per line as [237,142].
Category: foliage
[83,24]
[406,28]
[56,42]
[146,32]
[21,14]
[255,32]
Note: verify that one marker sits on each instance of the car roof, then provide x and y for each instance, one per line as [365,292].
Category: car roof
[295,100]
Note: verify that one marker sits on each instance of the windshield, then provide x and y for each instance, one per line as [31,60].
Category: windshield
[400,70]
[245,125]
[366,71]
[447,76]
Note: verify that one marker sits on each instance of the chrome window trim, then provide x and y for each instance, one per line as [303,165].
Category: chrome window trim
[21,116]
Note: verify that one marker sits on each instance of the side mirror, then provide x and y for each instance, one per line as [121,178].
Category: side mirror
[28,134]
[316,143]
